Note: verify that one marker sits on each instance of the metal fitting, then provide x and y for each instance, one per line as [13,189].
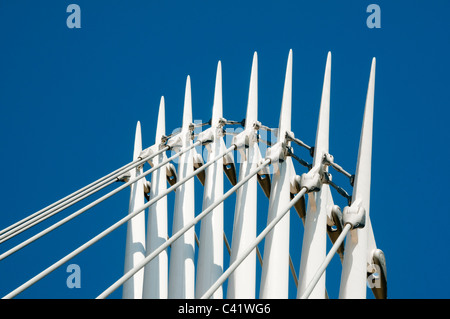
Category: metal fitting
[243,140]
[355,215]
[164,140]
[290,136]
[277,153]
[222,122]
[147,186]
[312,180]
[171,174]
[147,152]
[295,184]
[327,159]
[174,142]
[257,125]
[206,137]
[179,140]
[378,275]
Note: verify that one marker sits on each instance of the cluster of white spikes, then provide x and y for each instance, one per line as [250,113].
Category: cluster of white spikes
[153,271]
[209,273]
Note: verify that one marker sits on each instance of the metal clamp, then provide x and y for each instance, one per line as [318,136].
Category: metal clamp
[277,154]
[243,140]
[312,180]
[207,136]
[355,215]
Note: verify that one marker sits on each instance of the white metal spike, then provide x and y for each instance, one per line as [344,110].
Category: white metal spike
[187,111]
[284,124]
[252,104]
[241,284]
[135,242]
[156,272]
[354,268]
[275,269]
[210,252]
[182,268]
[217,106]
[315,235]
[379,287]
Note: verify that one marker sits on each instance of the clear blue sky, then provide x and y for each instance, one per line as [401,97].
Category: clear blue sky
[70,100]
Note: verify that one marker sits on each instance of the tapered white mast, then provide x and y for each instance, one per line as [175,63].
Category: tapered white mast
[182,269]
[135,242]
[210,253]
[275,268]
[156,272]
[315,234]
[241,284]
[354,268]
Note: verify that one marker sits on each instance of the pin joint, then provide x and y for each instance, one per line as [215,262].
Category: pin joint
[355,215]
[312,180]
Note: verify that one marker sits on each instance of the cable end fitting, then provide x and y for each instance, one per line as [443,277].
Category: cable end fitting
[242,142]
[355,215]
[207,136]
[149,151]
[327,159]
[277,154]
[174,142]
[312,180]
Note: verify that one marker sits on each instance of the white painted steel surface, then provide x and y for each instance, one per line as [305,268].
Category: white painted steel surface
[156,272]
[210,252]
[354,268]
[315,234]
[182,263]
[275,268]
[241,283]
[135,241]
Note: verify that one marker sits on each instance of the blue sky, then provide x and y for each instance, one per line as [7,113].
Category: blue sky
[70,100]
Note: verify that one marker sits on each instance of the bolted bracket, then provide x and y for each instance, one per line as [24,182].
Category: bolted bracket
[334,226]
[176,142]
[207,136]
[147,186]
[355,215]
[242,143]
[222,122]
[277,154]
[376,274]
[243,140]
[312,180]
[328,159]
[171,174]
[148,152]
[198,162]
